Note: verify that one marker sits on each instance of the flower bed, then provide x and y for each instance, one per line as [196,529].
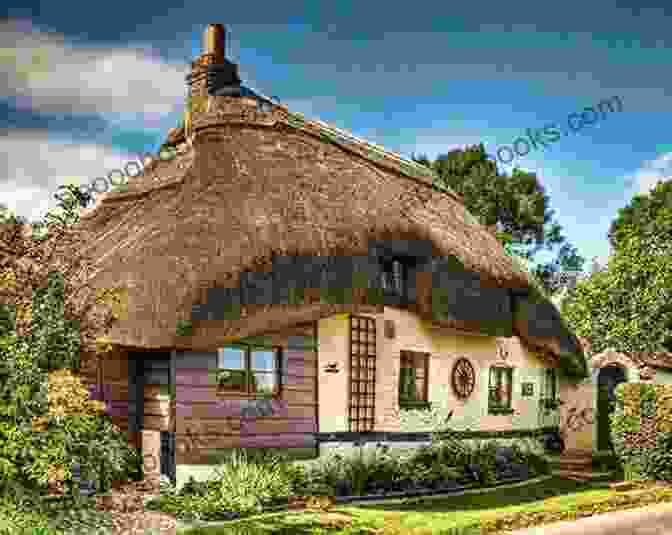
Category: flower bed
[247,486]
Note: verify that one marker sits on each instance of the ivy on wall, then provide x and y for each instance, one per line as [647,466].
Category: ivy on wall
[646,453]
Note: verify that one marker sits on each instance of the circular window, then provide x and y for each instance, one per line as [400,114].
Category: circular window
[464,378]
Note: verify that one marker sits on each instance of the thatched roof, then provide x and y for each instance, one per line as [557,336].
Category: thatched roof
[639,359]
[247,185]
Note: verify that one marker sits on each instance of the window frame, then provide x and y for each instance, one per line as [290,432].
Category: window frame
[248,349]
[423,402]
[498,372]
[394,276]
[550,378]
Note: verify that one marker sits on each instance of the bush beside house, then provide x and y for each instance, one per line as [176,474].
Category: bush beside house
[641,430]
[48,422]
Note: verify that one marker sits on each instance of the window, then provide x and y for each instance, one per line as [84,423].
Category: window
[413,373]
[499,400]
[550,386]
[249,370]
[394,278]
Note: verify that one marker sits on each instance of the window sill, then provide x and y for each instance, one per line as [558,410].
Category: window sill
[221,392]
[500,411]
[415,404]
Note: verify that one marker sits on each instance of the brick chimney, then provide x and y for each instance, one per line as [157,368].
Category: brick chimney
[214,43]
[211,72]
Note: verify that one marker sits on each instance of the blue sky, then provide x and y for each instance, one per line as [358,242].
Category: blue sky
[86,86]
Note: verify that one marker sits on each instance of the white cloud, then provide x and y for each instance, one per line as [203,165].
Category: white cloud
[36,164]
[652,171]
[50,75]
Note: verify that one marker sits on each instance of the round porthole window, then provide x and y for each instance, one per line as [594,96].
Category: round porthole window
[464,378]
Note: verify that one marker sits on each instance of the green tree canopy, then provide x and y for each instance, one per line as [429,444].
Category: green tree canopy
[627,306]
[651,212]
[517,205]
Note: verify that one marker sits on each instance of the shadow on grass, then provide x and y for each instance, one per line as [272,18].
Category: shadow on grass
[497,498]
[307,523]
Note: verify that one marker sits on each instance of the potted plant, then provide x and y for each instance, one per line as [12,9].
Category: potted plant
[236,380]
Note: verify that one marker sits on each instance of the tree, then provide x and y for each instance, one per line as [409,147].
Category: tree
[628,305]
[516,205]
[47,420]
[646,213]
[29,252]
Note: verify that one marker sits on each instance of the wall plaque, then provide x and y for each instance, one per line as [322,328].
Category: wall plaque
[464,378]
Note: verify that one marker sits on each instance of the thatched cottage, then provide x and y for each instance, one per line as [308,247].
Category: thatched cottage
[325,290]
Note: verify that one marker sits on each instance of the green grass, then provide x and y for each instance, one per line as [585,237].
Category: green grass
[454,515]
[305,523]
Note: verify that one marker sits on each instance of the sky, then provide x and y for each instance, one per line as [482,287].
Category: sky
[87,87]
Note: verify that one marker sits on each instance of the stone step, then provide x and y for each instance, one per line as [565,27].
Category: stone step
[575,460]
[575,468]
[575,454]
[579,475]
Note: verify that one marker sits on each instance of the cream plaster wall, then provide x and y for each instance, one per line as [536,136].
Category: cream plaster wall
[663,376]
[333,388]
[445,347]
[584,395]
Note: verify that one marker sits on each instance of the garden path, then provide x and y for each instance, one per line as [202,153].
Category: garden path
[650,520]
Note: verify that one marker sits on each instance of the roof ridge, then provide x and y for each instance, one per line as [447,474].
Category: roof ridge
[380,148]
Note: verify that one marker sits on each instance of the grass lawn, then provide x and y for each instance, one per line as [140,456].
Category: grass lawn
[489,512]
[548,501]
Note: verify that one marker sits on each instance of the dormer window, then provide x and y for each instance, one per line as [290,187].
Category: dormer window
[394,276]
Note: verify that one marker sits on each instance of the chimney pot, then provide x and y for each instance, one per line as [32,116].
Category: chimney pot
[214,42]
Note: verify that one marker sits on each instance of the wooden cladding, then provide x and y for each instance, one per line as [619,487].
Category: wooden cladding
[107,380]
[209,418]
[205,417]
[361,410]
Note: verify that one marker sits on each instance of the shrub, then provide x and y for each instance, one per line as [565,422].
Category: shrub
[639,463]
[47,421]
[69,517]
[323,474]
[248,485]
[607,461]
[241,486]
[484,456]
[194,488]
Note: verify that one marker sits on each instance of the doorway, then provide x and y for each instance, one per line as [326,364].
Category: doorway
[149,374]
[607,381]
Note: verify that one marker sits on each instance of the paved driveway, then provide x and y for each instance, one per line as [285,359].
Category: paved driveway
[655,519]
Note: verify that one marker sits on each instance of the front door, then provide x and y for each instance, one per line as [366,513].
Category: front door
[607,381]
[147,369]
